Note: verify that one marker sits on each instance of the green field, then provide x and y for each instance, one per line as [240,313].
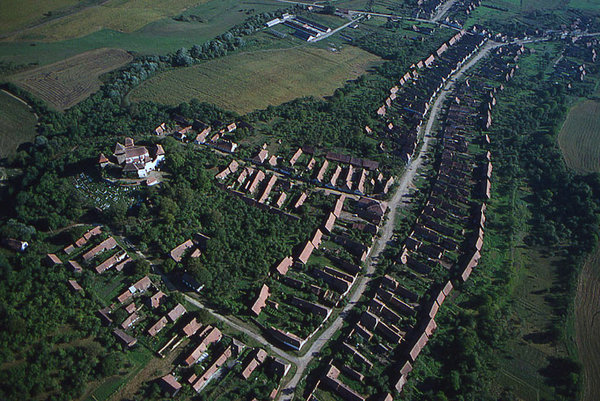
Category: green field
[119,15]
[538,13]
[17,124]
[248,81]
[579,138]
[16,14]
[158,37]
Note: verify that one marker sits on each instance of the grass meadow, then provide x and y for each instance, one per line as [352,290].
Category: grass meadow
[579,138]
[66,83]
[249,81]
[17,124]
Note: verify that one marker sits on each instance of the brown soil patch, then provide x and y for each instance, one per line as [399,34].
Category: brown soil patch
[68,82]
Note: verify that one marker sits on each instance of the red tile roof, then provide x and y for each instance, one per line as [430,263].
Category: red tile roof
[179,250]
[143,284]
[306,252]
[75,285]
[156,299]
[53,259]
[261,300]
[283,266]
[176,312]
[158,326]
[105,245]
[192,327]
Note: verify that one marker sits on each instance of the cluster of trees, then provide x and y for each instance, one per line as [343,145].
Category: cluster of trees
[245,241]
[384,43]
[43,322]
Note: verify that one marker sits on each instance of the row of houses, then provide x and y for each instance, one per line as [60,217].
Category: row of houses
[216,352]
[460,11]
[442,249]
[409,100]
[294,273]
[458,197]
[332,170]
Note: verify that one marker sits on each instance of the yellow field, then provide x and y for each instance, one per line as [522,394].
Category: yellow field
[249,81]
[68,82]
[579,138]
[15,14]
[119,15]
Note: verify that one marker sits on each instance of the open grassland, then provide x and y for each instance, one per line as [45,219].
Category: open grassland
[119,15]
[579,138]
[15,14]
[68,82]
[587,324]
[248,81]
[17,124]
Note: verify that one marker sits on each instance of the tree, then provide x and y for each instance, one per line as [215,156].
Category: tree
[141,267]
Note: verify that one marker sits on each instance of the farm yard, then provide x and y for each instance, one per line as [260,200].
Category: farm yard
[66,83]
[17,124]
[579,138]
[248,81]
[588,327]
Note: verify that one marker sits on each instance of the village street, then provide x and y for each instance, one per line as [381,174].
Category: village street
[405,185]
[402,190]
[442,10]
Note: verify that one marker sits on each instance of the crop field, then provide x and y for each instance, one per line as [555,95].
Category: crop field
[588,326]
[524,11]
[15,14]
[579,138]
[119,15]
[531,349]
[17,124]
[158,37]
[66,83]
[248,81]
